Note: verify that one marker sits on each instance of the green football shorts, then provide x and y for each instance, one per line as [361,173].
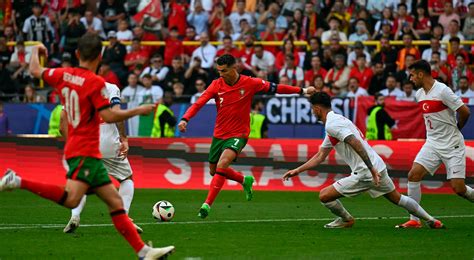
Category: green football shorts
[89,170]
[219,145]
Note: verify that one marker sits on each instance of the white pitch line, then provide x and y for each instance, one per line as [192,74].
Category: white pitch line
[7,226]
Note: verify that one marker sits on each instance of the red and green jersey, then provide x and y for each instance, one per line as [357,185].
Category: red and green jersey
[234,103]
[83,94]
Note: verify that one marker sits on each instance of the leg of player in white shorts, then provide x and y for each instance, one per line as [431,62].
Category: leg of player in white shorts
[427,161]
[122,172]
[353,185]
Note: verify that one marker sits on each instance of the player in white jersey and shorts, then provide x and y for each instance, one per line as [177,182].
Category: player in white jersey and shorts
[114,149]
[369,172]
[444,140]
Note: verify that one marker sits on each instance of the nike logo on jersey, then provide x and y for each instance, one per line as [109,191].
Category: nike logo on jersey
[455,172]
[220,93]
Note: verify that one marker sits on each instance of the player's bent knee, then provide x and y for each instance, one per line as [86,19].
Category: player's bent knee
[324,196]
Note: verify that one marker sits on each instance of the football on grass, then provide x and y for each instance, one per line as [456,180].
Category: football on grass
[163,211]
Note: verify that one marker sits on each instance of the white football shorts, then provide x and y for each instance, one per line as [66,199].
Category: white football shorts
[352,186]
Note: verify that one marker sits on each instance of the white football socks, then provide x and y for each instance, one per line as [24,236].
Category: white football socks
[143,251]
[414,192]
[414,208]
[338,209]
[126,191]
[469,195]
[76,212]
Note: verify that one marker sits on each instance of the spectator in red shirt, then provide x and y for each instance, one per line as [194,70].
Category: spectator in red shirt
[228,48]
[108,75]
[422,24]
[190,36]
[362,72]
[435,8]
[139,32]
[438,69]
[174,47]
[136,57]
[288,48]
[177,16]
[247,51]
[270,34]
[402,19]
[216,20]
[316,70]
[455,50]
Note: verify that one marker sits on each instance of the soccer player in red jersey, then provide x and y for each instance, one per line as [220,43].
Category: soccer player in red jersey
[233,94]
[85,100]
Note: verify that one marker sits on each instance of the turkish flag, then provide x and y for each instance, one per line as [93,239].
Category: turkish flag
[152,9]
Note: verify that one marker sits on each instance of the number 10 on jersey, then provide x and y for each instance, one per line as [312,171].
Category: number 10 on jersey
[71,104]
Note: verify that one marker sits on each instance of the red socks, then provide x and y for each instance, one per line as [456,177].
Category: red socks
[47,191]
[231,174]
[214,188]
[124,226]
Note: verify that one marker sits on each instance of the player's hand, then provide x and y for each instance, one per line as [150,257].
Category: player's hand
[123,149]
[310,91]
[289,174]
[146,109]
[375,176]
[41,49]
[182,126]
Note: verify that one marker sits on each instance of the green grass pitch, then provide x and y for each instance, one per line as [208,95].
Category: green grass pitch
[275,225]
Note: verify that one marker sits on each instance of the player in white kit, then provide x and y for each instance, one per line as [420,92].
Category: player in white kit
[444,140]
[114,150]
[369,172]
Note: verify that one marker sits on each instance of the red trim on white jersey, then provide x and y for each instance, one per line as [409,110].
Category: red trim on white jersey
[432,106]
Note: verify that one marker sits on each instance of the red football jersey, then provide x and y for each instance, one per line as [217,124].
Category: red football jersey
[82,94]
[234,103]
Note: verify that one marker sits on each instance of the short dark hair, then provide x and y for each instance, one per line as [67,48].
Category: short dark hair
[255,101]
[89,47]
[226,59]
[227,37]
[320,98]
[422,65]
[436,53]
[464,77]
[455,39]
[402,5]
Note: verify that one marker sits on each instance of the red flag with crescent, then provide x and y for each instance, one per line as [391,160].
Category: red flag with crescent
[153,9]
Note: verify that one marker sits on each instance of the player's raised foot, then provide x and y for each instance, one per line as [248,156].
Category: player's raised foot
[410,224]
[247,184]
[159,253]
[204,210]
[435,224]
[9,181]
[72,225]
[339,223]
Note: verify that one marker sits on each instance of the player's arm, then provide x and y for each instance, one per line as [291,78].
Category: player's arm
[464,114]
[110,115]
[273,88]
[36,70]
[317,159]
[360,150]
[194,108]
[123,136]
[63,126]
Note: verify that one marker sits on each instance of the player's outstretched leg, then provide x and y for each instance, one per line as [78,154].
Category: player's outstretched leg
[246,181]
[461,189]
[413,208]
[329,198]
[126,191]
[414,191]
[73,223]
[125,227]
[55,193]
[215,187]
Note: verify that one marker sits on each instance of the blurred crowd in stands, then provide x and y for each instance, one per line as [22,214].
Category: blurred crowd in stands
[146,72]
